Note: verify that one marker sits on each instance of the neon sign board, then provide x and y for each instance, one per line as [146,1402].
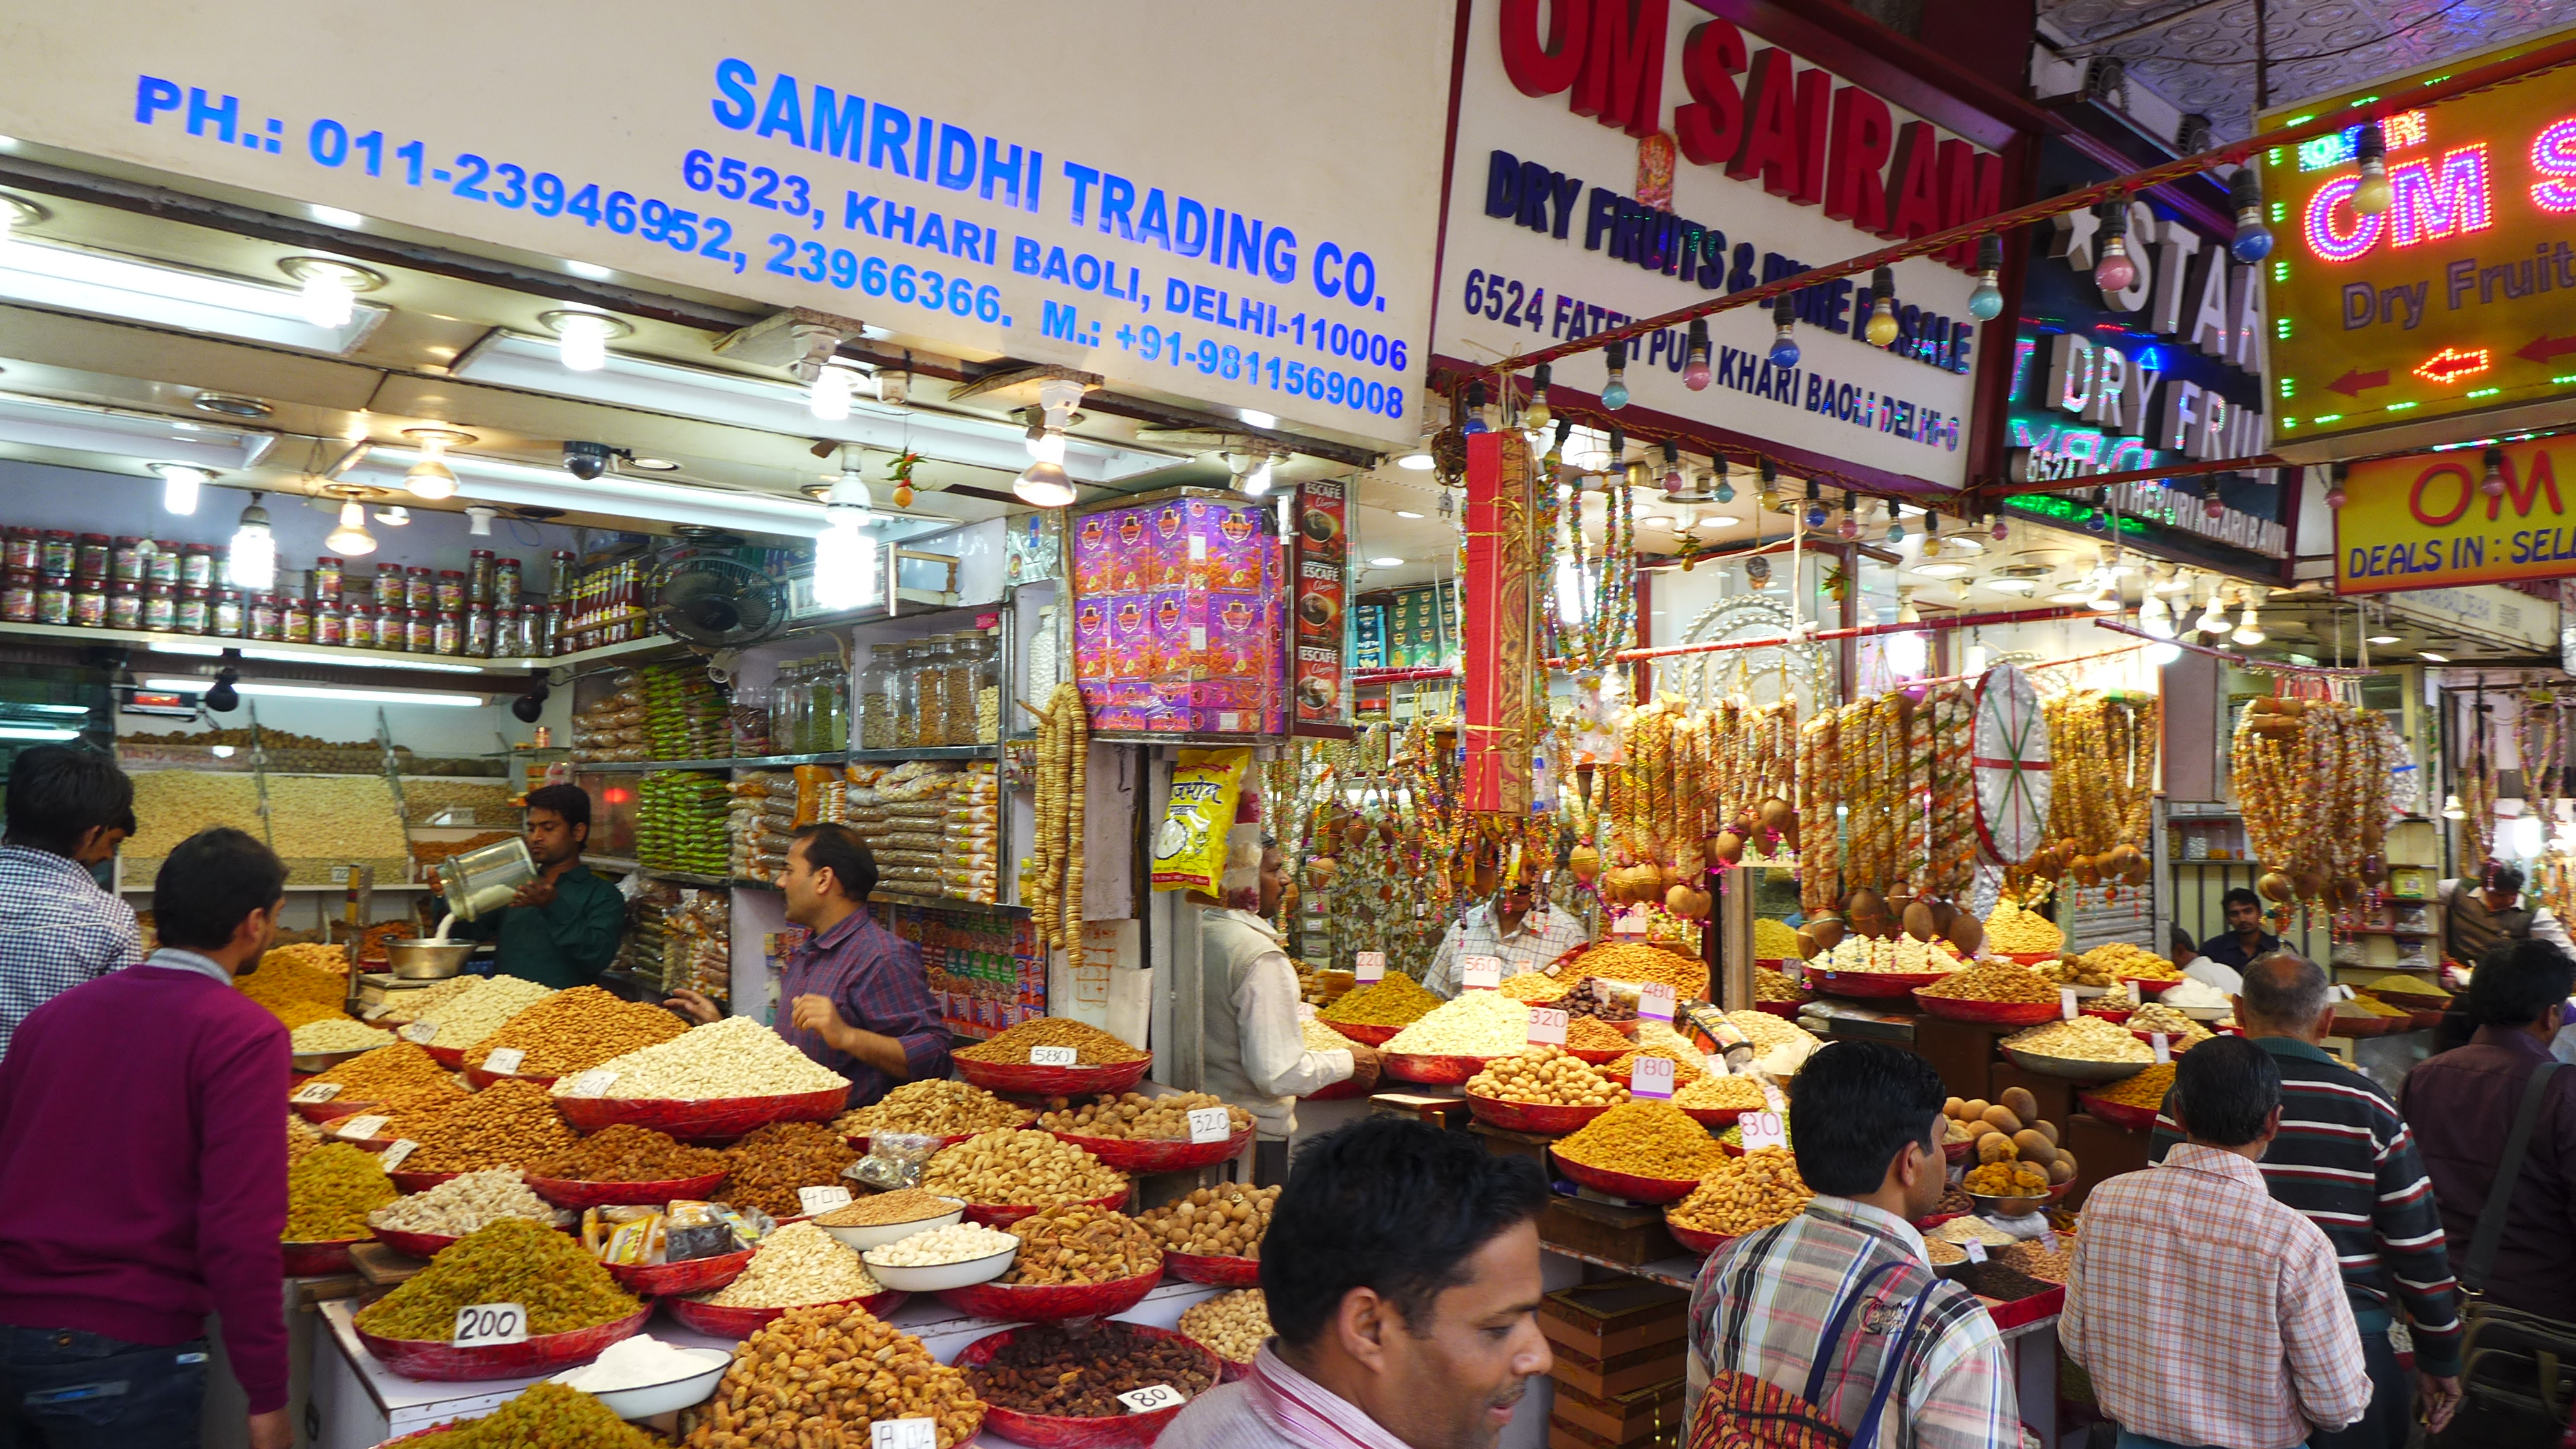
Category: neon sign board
[2459,298]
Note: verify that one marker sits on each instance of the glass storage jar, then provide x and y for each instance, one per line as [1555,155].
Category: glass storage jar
[930,710]
[161,608]
[18,597]
[226,615]
[193,613]
[295,619]
[330,622]
[124,605]
[880,686]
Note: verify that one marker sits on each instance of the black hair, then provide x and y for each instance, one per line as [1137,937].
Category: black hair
[1390,1204]
[59,793]
[2504,879]
[838,849]
[2180,940]
[211,883]
[2518,981]
[569,801]
[1858,1103]
[2223,1089]
[2240,896]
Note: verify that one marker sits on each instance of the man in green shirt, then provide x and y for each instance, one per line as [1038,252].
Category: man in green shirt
[563,927]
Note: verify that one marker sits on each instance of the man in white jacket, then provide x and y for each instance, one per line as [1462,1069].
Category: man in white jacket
[1256,1054]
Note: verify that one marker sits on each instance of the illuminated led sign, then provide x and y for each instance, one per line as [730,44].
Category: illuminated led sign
[2458,297]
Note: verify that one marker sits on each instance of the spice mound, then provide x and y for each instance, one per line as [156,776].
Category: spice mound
[331,1190]
[735,1057]
[797,1265]
[1224,1221]
[1687,976]
[549,1414]
[338,1034]
[821,1376]
[937,1247]
[1644,1139]
[513,1261]
[939,1108]
[1536,987]
[1395,1001]
[284,982]
[1548,1077]
[1686,1065]
[1477,1024]
[402,1008]
[2019,932]
[1233,1326]
[573,1031]
[463,1205]
[1076,1243]
[399,1078]
[2085,1039]
[482,1009]
[1742,1094]
[1092,1047]
[2122,959]
[903,1205]
[626,1153]
[2146,1089]
[1744,1194]
[2007,1179]
[1077,1370]
[1998,981]
[1021,1169]
[1134,1115]
[301,1137]
[507,1124]
[764,1169]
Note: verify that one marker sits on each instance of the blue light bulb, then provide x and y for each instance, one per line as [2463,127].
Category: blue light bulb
[1614,394]
[1473,425]
[1987,301]
[1896,533]
[1725,492]
[2252,244]
[1784,353]
[2095,522]
[1816,515]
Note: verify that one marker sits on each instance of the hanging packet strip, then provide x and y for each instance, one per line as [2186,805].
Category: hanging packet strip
[1189,851]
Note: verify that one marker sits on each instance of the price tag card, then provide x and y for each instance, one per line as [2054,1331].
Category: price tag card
[490,1325]
[2048,1240]
[392,1157]
[420,1032]
[904,1434]
[1630,923]
[1210,1124]
[316,1092]
[2066,1002]
[1975,1250]
[1655,1001]
[376,1011]
[1047,1056]
[2163,1047]
[1370,967]
[590,1083]
[1151,1397]
[1305,1011]
[1547,1026]
[1794,969]
[822,1199]
[1480,973]
[1652,1077]
[1763,1129]
[358,1129]
[504,1061]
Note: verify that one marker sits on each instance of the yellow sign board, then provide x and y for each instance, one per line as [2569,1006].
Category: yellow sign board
[2431,522]
[2459,297]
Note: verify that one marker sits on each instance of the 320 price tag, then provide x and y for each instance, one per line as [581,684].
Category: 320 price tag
[1151,1397]
[312,1092]
[904,1434]
[1370,967]
[504,1061]
[1480,973]
[1047,1056]
[490,1325]
[1655,1001]
[1547,1026]
[1763,1129]
[1210,1124]
[1652,1077]
[822,1199]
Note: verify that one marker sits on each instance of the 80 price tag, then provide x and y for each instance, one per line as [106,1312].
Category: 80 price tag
[1763,1129]
[488,1325]
[1151,1397]
[1547,1026]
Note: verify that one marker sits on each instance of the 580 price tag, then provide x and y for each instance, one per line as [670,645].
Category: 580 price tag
[1763,1129]
[1370,967]
[489,1325]
[1651,1077]
[1547,1026]
[1052,1056]
[1480,973]
[904,1434]
[420,1032]
[1151,1397]
[1210,1124]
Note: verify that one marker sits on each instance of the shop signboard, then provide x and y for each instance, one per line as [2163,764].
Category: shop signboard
[978,177]
[2458,299]
[1617,159]
[1322,591]
[2493,614]
[2161,372]
[2426,521]
[1499,723]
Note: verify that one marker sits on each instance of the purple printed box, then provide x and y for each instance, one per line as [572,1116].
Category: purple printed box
[1094,538]
[1180,632]
[1133,650]
[1222,544]
[1091,638]
[1212,706]
[1131,552]
[1167,566]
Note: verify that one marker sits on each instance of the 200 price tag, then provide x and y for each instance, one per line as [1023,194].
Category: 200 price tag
[1547,1026]
[504,1061]
[392,1157]
[358,1129]
[1655,1001]
[1370,967]
[1480,973]
[1652,1077]
[420,1032]
[1151,1397]
[312,1092]
[490,1325]
[1210,1124]
[822,1199]
[1763,1129]
[1055,1056]
[904,1434]
[2066,1002]
[2163,1046]
[590,1083]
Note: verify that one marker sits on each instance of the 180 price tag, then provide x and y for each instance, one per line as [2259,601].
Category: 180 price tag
[490,1325]
[1151,1397]
[1651,1077]
[1547,1026]
[1762,1129]
[1052,1056]
[1210,1124]
[1370,967]
[1480,973]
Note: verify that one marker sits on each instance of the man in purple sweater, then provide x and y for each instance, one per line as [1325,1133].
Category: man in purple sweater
[143,1178]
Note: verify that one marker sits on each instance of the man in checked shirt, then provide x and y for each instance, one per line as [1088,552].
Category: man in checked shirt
[69,807]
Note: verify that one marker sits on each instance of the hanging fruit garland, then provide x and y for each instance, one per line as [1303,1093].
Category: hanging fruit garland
[2311,778]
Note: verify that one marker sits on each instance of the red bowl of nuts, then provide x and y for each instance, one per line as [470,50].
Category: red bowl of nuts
[1365,1033]
[1693,1239]
[1161,1154]
[1540,1117]
[1002,1215]
[1020,1373]
[1047,1302]
[1650,1190]
[719,1119]
[723,1322]
[1870,983]
[566,1192]
[318,1113]
[452,1058]
[482,1079]
[410,1182]
[439,1361]
[1029,1079]
[1221,1272]
[1990,1013]
[2119,1114]
[689,1275]
[1434,1071]
[414,1245]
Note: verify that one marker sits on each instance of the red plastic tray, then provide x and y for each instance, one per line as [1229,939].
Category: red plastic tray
[415,1245]
[2174,1044]
[1785,1010]
[721,1120]
[565,1192]
[318,1113]
[1036,1081]
[452,1058]
[1620,1184]
[2029,958]
[411,1182]
[1160,1154]
[482,1079]
[1958,1151]
[437,1361]
[1346,1087]
[1047,1302]
[744,1322]
[1002,1215]
[2112,1014]
[1870,983]
[1530,1116]
[1433,1071]
[1365,1035]
[1990,1013]
[1223,1272]
[2018,1311]
[1599,1056]
[1716,1116]
[2147,986]
[1054,1431]
[1693,1239]
[312,1260]
[690,1275]
[2119,1114]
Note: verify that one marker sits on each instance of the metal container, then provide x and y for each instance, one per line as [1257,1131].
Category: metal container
[427,960]
[480,882]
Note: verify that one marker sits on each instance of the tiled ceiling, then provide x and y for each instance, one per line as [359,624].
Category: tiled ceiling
[2204,59]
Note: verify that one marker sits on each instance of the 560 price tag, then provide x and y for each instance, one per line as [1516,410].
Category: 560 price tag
[1763,1129]
[490,1325]
[590,1083]
[1052,1056]
[1210,1124]
[1151,1397]
[1480,973]
[904,1434]
[1547,1026]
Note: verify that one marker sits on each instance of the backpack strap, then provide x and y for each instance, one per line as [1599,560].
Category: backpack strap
[1889,1371]
[1834,1327]
[2489,1237]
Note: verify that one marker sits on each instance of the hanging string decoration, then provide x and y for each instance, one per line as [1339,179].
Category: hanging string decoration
[2103,746]
[2311,777]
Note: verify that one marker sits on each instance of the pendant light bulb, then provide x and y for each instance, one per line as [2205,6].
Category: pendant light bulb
[1044,485]
[1986,299]
[326,298]
[252,562]
[1474,422]
[2213,617]
[1695,360]
[582,341]
[1882,307]
[829,397]
[2212,506]
[1725,485]
[2245,195]
[2374,194]
[1614,393]
[1674,482]
[1784,341]
[2452,809]
[1257,482]
[180,483]
[1047,446]
[2155,616]
[2161,653]
[431,480]
[1849,528]
[351,537]
[2249,629]
[1537,417]
[2335,495]
[2492,485]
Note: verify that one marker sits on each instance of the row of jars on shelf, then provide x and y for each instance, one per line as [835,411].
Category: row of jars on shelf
[945,689]
[100,558]
[477,631]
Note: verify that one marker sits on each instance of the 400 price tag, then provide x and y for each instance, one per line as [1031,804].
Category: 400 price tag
[490,1325]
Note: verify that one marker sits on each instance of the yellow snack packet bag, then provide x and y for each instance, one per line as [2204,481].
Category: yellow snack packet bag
[1189,851]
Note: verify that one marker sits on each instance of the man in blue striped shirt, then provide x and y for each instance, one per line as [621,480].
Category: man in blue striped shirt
[2346,1161]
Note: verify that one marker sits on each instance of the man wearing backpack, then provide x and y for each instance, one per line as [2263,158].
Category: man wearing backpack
[1831,1329]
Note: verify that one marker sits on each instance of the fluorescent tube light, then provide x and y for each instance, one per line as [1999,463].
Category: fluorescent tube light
[79,280]
[322,691]
[297,656]
[32,422]
[36,732]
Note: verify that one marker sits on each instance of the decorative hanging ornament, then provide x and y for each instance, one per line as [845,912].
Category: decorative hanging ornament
[2112,269]
[1849,528]
[1555,458]
[1537,416]
[1986,299]
[1673,480]
[1725,488]
[1757,570]
[1614,393]
[2492,485]
[1882,314]
[1784,342]
[2374,193]
[1695,364]
[1815,514]
[2245,196]
[1475,420]
[2334,485]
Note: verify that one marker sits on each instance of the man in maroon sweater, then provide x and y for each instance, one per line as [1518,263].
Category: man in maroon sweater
[143,1178]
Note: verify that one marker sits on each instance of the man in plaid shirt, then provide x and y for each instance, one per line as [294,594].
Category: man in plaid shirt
[2346,1160]
[1868,1143]
[2207,1312]
[69,807]
[1516,928]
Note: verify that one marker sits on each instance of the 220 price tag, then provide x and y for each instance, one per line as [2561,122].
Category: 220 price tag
[1652,1077]
[1480,973]
[312,1092]
[1210,1124]
[1547,1026]
[1370,967]
[1655,1001]
[822,1199]
[904,1434]
[1047,1056]
[1763,1129]
[490,1325]
[1151,1397]
[504,1061]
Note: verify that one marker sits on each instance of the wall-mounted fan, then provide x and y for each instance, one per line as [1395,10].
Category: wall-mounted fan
[713,603]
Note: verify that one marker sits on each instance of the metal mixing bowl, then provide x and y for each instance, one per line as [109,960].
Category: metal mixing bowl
[427,960]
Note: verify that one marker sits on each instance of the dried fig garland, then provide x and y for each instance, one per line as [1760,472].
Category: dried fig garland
[1952,874]
[2311,776]
[1820,797]
[2104,749]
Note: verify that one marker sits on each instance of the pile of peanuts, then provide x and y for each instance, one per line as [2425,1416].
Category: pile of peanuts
[1745,1194]
[1020,1168]
[1132,1114]
[573,1031]
[1224,1221]
[832,1365]
[1644,1139]
[1548,1076]
[1077,1243]
[1232,1325]
[935,1108]
[509,1124]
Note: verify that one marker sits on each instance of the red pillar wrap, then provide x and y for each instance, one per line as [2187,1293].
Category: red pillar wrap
[1502,667]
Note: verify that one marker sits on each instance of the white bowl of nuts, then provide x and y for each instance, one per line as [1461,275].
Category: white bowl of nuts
[958,1255]
[890,1217]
